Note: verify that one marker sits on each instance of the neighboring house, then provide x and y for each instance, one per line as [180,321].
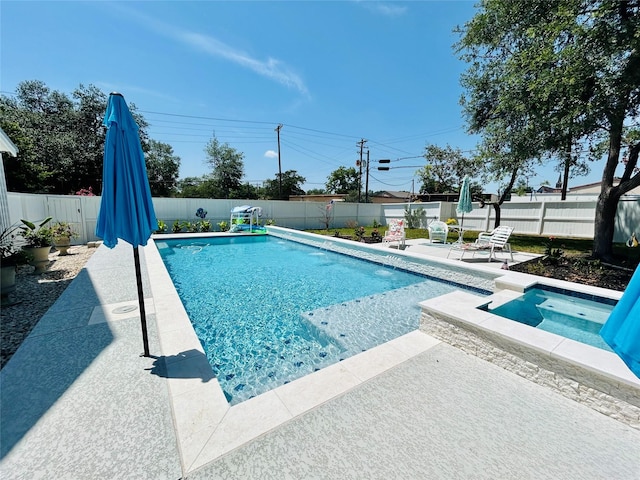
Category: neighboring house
[325,197]
[389,196]
[587,189]
[595,188]
[6,146]
[380,197]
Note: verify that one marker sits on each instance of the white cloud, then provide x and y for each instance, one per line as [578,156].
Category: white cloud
[384,8]
[271,68]
[271,154]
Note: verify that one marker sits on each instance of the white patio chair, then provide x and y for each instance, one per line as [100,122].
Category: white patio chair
[438,232]
[487,242]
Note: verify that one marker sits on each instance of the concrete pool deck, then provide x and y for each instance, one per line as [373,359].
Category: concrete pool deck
[79,402]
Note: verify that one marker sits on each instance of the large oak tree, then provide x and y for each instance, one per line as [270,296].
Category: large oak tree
[566,72]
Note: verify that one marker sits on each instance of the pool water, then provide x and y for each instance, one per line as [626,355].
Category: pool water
[268,310]
[570,316]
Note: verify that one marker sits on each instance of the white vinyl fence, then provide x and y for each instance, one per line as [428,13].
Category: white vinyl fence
[572,218]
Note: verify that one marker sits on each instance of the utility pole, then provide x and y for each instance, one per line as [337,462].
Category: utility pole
[359,164]
[366,188]
[279,164]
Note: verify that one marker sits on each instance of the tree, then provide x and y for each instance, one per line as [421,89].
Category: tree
[227,165]
[505,153]
[291,185]
[246,190]
[445,169]
[343,180]
[569,70]
[43,122]
[316,191]
[60,138]
[196,187]
[90,108]
[162,169]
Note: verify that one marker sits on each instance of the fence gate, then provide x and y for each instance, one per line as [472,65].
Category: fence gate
[68,209]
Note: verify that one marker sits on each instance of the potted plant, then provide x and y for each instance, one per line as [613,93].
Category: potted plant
[38,243]
[62,233]
[162,227]
[10,256]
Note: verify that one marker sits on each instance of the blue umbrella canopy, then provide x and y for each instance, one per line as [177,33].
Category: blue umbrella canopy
[126,208]
[464,202]
[622,329]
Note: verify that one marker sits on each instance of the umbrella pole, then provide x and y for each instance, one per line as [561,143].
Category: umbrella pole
[143,315]
[461,231]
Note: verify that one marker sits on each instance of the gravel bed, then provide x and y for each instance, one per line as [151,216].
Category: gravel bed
[34,295]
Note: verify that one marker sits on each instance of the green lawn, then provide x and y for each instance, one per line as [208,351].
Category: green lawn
[522,243]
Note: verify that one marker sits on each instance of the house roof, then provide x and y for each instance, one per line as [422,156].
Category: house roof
[393,194]
[6,145]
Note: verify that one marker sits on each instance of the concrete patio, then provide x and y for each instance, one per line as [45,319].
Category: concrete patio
[79,402]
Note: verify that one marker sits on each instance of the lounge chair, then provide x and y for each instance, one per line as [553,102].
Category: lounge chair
[395,233]
[487,242]
[438,232]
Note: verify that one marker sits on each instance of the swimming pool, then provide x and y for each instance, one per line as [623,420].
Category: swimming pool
[569,314]
[268,310]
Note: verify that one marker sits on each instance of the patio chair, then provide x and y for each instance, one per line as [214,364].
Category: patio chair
[487,242]
[438,232]
[395,233]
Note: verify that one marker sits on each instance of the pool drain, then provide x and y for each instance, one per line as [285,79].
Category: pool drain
[124,309]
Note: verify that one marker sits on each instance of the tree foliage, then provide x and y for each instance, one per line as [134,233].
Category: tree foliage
[291,185]
[445,169]
[227,168]
[60,139]
[343,180]
[162,169]
[544,77]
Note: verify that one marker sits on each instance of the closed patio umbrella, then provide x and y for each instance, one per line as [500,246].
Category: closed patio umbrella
[464,202]
[126,208]
[622,329]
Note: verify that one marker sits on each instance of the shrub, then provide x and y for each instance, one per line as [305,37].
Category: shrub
[351,224]
[162,227]
[63,229]
[552,251]
[414,218]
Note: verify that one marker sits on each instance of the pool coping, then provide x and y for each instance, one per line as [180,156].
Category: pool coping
[207,427]
[544,357]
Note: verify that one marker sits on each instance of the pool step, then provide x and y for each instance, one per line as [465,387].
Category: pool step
[559,309]
[352,325]
[500,298]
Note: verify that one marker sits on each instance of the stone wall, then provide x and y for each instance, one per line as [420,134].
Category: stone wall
[611,398]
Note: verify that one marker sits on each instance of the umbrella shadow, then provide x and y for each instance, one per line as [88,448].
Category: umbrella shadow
[187,364]
[59,350]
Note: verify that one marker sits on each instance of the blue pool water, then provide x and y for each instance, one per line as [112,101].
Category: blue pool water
[268,311]
[570,316]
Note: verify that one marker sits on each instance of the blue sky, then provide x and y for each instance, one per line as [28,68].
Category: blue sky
[331,72]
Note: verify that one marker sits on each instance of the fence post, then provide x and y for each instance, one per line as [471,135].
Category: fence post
[543,208]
